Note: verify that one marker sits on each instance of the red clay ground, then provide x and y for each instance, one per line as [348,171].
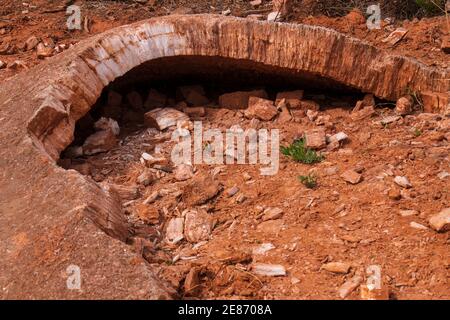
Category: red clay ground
[357,224]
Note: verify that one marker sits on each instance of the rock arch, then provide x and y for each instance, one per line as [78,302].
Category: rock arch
[46,213]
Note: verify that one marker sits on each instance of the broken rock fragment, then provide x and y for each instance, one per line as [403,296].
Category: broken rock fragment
[440,221]
[100,141]
[125,192]
[107,124]
[337,267]
[349,286]
[404,105]
[271,270]
[200,190]
[148,214]
[135,100]
[445,46]
[175,229]
[155,99]
[402,182]
[198,225]
[261,109]
[362,114]
[163,118]
[192,282]
[193,95]
[239,99]
[272,214]
[316,138]
[338,137]
[293,97]
[368,293]
[31,43]
[195,111]
[395,36]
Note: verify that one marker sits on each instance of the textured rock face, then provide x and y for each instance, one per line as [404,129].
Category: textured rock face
[49,216]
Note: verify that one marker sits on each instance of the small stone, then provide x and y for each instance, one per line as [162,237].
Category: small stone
[395,36]
[331,171]
[198,225]
[73,152]
[338,137]
[107,124]
[145,178]
[271,270]
[255,123]
[195,111]
[337,267]
[239,99]
[352,177]
[152,197]
[312,114]
[148,160]
[163,118]
[445,46]
[43,52]
[394,194]
[192,282]
[240,198]
[349,286]
[416,225]
[183,172]
[316,138]
[246,176]
[443,174]
[389,119]
[362,114]
[3,64]
[306,105]
[114,99]
[440,221]
[272,214]
[402,182]
[174,231]
[255,3]
[263,248]
[194,95]
[148,214]
[260,108]
[404,105]
[408,213]
[31,43]
[274,16]
[101,141]
[125,192]
[155,99]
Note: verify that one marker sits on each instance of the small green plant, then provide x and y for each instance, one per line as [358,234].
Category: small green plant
[417,132]
[300,153]
[309,181]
